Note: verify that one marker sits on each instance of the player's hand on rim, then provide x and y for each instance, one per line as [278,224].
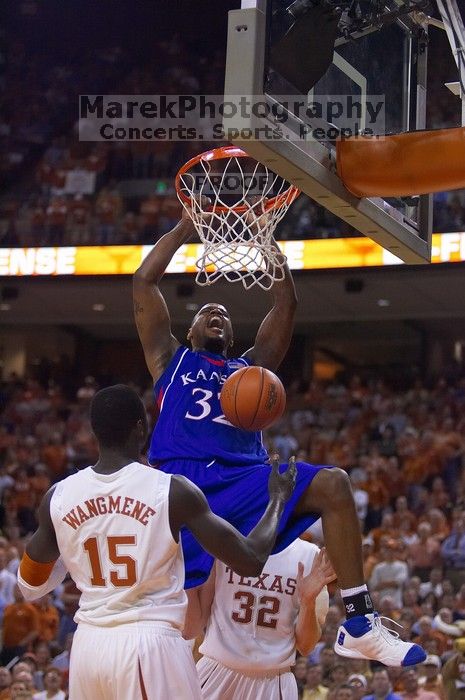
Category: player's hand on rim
[281,485]
[321,573]
[197,213]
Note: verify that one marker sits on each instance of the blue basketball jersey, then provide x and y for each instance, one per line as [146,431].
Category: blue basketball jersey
[191,424]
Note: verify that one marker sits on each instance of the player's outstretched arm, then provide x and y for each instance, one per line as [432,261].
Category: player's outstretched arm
[150,311]
[41,569]
[245,555]
[313,596]
[274,335]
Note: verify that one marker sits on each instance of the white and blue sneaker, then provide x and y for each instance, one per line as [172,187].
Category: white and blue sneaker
[365,637]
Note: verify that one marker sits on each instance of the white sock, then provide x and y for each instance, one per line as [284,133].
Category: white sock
[345,592]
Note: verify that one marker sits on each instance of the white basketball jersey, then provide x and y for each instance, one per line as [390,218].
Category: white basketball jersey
[252,621]
[114,536]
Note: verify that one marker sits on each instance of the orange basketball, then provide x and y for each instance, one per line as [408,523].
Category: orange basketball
[253,398]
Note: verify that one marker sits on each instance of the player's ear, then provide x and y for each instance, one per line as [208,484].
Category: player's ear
[231,342]
[143,429]
[189,334]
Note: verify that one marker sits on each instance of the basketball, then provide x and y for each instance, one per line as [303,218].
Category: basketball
[253,398]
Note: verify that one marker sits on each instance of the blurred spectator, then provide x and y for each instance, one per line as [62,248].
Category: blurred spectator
[150,211]
[430,676]
[444,622]
[86,392]
[359,684]
[7,580]
[428,635]
[79,223]
[48,619]
[438,521]
[26,678]
[390,574]
[130,229]
[361,497]
[454,676]
[61,661]
[52,683]
[314,690]
[433,584]
[370,559]
[413,691]
[56,216]
[453,552]
[337,674]
[5,681]
[381,686]
[67,625]
[299,671]
[20,627]
[424,554]
[285,443]
[54,455]
[343,692]
[19,691]
[108,209]
[43,660]
[402,515]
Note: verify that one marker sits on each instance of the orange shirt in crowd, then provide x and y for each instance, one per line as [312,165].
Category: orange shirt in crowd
[379,532]
[422,465]
[48,622]
[19,620]
[441,640]
[377,492]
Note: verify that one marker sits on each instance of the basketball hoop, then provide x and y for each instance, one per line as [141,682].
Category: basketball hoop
[235,203]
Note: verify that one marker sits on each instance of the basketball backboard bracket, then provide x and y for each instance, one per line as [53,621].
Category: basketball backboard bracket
[309,164]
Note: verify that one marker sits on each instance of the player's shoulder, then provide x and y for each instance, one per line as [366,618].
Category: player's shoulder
[305,551]
[305,546]
[73,478]
[177,359]
[69,482]
[238,362]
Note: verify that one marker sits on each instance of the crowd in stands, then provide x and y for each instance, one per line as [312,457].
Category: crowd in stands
[63,191]
[404,453]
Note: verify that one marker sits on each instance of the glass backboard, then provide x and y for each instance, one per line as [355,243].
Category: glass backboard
[375,84]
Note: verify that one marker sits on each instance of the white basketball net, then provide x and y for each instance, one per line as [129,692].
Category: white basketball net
[237,238]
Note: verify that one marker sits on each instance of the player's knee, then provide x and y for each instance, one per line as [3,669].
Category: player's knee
[334,486]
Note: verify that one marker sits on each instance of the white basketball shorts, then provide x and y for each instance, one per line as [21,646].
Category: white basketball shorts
[221,683]
[140,660]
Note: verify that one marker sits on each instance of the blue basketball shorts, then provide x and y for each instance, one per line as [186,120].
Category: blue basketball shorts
[239,494]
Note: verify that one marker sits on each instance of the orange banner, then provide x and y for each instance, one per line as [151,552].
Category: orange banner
[302,255]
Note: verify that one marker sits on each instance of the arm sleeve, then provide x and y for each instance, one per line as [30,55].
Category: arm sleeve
[56,576]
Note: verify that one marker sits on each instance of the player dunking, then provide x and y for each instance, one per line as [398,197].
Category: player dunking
[193,438]
[116,526]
